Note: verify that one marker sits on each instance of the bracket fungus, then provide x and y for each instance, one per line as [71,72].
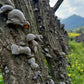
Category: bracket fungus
[39,37]
[61,82]
[37,75]
[6,9]
[6,2]
[31,38]
[6,70]
[16,50]
[16,17]
[32,63]
[49,80]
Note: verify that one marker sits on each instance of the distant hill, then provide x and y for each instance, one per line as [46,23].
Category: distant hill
[73,22]
[78,30]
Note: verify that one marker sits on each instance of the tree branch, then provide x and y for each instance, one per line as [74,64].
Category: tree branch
[56,6]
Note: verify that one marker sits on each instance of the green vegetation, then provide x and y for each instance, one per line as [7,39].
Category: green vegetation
[1,78]
[78,30]
[76,61]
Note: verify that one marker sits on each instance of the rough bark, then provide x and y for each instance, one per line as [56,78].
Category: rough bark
[55,37]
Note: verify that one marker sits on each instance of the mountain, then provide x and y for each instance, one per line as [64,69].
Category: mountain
[73,22]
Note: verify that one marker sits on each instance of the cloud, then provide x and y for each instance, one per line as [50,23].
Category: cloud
[69,7]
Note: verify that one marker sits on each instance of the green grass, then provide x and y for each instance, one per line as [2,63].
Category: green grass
[76,58]
[1,78]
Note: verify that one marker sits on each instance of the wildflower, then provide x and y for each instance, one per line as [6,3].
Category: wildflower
[69,75]
[78,68]
[72,65]
[81,70]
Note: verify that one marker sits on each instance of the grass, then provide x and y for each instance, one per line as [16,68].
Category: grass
[76,58]
[1,78]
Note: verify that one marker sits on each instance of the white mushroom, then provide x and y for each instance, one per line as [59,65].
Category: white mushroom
[39,37]
[6,2]
[37,75]
[6,8]
[48,55]
[16,17]
[49,80]
[32,63]
[61,82]
[30,37]
[62,53]
[16,50]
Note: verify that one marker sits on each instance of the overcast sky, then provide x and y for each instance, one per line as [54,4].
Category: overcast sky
[69,7]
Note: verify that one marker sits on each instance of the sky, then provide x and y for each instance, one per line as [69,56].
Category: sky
[69,7]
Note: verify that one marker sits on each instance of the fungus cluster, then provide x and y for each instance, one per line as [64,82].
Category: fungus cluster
[27,50]
[32,41]
[14,16]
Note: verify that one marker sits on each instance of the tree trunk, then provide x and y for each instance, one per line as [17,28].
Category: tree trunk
[15,69]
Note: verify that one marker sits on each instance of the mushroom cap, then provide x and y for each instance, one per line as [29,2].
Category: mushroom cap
[14,49]
[48,77]
[34,65]
[30,37]
[6,8]
[17,17]
[39,37]
[31,60]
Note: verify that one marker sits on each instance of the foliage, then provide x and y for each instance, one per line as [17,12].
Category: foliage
[76,58]
[72,35]
[1,78]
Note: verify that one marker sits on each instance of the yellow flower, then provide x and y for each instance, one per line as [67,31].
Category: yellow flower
[78,68]
[81,70]
[72,65]
[69,75]
[82,64]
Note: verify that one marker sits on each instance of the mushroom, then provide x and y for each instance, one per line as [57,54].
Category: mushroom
[32,63]
[6,2]
[48,55]
[37,75]
[61,82]
[33,37]
[39,37]
[16,50]
[30,37]
[16,17]
[5,9]
[49,80]
[31,41]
